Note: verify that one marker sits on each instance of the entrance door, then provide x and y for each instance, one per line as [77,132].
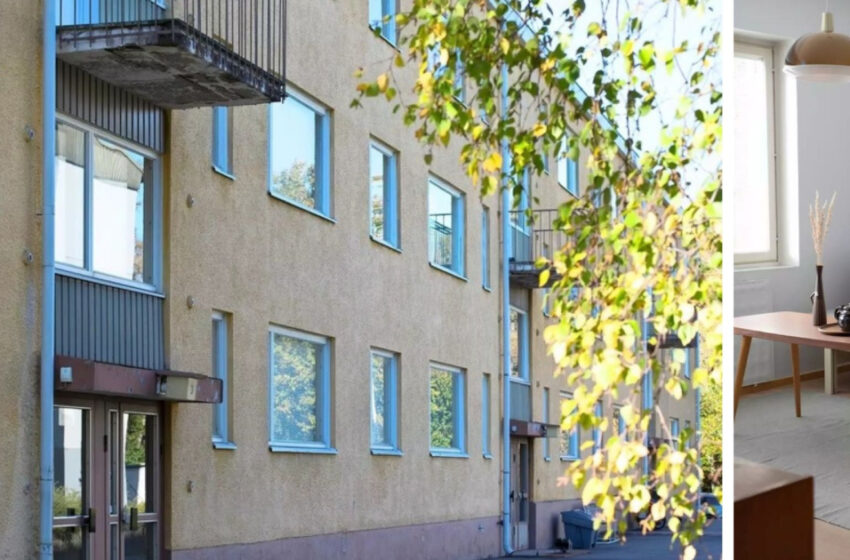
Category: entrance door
[106,497]
[519,493]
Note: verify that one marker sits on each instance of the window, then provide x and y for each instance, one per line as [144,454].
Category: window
[382,16]
[570,441]
[485,248]
[754,181]
[299,147]
[384,403]
[448,412]
[445,225]
[299,391]
[690,435]
[568,169]
[107,207]
[222,155]
[546,421]
[619,422]
[460,78]
[485,416]
[519,218]
[674,429]
[597,433]
[222,437]
[546,293]
[383,195]
[519,344]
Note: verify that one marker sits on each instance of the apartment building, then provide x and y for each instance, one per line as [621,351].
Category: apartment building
[276,330]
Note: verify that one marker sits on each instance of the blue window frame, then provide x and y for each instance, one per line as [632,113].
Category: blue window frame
[383,195]
[519,344]
[446,221]
[570,441]
[619,422]
[222,148]
[382,16]
[299,392]
[674,429]
[568,170]
[300,153]
[460,79]
[485,248]
[384,403]
[448,411]
[222,438]
[546,456]
[485,416]
[597,433]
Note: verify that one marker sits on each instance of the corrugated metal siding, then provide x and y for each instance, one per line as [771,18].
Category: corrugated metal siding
[82,96]
[107,324]
[520,401]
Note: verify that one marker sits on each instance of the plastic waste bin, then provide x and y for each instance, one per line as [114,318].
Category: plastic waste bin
[578,528]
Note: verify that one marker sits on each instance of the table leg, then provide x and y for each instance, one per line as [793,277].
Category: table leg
[829,370]
[742,366]
[795,370]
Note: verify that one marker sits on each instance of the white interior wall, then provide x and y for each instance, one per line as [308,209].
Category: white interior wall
[813,120]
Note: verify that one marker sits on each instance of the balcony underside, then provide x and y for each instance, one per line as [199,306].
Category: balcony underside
[527,275]
[168,63]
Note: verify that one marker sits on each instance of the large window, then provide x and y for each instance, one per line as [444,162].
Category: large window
[106,206]
[568,169]
[382,17]
[445,227]
[754,181]
[222,153]
[299,147]
[674,429]
[485,416]
[222,437]
[485,248]
[448,411]
[519,344]
[383,195]
[384,403]
[299,391]
[570,441]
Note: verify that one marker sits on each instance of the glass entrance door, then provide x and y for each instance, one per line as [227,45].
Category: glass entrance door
[107,481]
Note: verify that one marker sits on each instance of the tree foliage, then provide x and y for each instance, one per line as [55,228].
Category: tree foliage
[643,252]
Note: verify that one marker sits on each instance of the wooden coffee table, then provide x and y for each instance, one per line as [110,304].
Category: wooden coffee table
[796,329]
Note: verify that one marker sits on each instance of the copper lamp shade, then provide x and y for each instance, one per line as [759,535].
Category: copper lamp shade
[822,57]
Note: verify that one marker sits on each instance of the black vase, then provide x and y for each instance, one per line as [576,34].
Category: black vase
[818,302]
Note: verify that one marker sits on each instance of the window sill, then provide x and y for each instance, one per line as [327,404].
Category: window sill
[488,456]
[385,244]
[521,381]
[763,267]
[278,448]
[487,289]
[223,173]
[569,459]
[386,452]
[448,271]
[383,38]
[302,207]
[148,289]
[547,459]
[449,454]
[221,444]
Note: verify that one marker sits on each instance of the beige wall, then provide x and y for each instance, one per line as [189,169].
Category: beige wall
[20,90]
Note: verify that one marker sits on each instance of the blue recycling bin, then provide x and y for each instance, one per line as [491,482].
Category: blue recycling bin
[578,528]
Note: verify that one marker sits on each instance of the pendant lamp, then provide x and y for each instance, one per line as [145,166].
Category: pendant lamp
[820,57]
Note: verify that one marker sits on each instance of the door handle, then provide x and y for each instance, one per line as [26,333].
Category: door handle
[134,518]
[91,520]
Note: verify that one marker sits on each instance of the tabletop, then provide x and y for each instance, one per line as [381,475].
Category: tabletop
[788,326]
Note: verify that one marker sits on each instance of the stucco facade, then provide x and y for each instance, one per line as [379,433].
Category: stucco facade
[227,245]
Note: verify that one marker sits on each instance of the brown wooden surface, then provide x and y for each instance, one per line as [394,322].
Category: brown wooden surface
[742,367]
[788,326]
[774,513]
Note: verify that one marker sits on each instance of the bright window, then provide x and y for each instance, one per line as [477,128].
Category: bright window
[519,344]
[223,140]
[222,437]
[299,147]
[754,181]
[383,195]
[300,391]
[106,206]
[382,16]
[485,415]
[448,411]
[674,428]
[568,170]
[384,403]
[570,441]
[445,227]
[485,247]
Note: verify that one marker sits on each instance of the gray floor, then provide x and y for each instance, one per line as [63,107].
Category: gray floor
[818,443]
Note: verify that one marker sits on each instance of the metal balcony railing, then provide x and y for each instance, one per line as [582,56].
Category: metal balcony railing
[533,235]
[246,38]
[440,239]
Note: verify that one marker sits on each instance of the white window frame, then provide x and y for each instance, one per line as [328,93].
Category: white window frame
[574,442]
[87,272]
[458,267]
[546,456]
[390,196]
[485,248]
[389,9]
[222,141]
[222,435]
[485,416]
[324,194]
[753,51]
[458,413]
[391,410]
[523,346]
[324,417]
